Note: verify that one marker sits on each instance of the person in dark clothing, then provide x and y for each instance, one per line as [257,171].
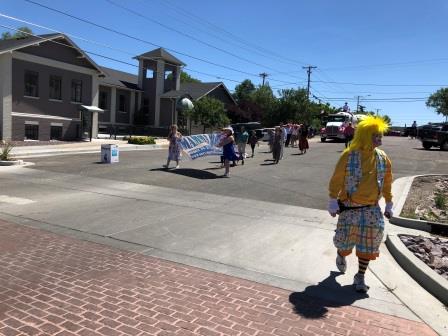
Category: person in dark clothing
[253,140]
[303,139]
[349,131]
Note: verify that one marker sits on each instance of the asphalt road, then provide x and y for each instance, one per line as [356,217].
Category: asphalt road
[298,180]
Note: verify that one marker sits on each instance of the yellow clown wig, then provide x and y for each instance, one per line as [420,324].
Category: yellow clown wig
[368,126]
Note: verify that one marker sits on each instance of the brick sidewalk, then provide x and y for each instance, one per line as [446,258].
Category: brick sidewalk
[53,285]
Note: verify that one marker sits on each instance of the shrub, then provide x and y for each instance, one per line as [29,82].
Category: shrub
[142,140]
[441,201]
[5,151]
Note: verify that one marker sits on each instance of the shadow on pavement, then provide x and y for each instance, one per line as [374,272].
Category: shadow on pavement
[268,162]
[314,300]
[194,173]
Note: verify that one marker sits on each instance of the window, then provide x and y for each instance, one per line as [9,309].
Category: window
[103,100]
[31,84]
[31,132]
[55,87]
[56,133]
[76,90]
[122,103]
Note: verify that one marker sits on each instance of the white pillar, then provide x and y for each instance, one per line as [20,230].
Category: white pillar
[141,73]
[177,77]
[132,108]
[6,95]
[113,104]
[160,84]
[95,99]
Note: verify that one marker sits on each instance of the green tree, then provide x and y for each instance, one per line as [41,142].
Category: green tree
[292,105]
[244,91]
[387,119]
[439,101]
[209,112]
[264,99]
[21,32]
[185,78]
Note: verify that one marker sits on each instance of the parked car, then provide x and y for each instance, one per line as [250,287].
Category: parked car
[263,133]
[434,135]
[393,133]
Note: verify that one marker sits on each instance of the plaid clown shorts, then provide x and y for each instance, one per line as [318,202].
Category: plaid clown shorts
[363,228]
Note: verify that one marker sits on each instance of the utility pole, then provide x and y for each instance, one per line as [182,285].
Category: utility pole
[357,104]
[377,112]
[308,71]
[264,75]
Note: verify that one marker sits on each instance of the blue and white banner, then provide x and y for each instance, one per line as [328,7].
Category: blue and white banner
[199,145]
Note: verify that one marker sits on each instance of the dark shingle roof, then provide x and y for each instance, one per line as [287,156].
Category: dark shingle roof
[31,40]
[194,90]
[161,53]
[13,44]
[119,78]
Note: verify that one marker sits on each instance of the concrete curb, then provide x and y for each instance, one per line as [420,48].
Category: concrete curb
[422,273]
[416,224]
[88,150]
[11,163]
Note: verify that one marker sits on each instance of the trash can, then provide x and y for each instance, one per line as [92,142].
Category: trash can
[109,153]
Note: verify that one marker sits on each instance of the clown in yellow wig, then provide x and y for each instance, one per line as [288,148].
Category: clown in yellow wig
[368,126]
[362,176]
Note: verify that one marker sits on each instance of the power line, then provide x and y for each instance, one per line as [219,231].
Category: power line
[374,84]
[215,27]
[129,10]
[148,42]
[354,67]
[108,57]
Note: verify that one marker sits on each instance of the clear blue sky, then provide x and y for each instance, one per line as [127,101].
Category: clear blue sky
[378,42]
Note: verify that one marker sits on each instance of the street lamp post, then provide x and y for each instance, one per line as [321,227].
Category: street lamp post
[357,104]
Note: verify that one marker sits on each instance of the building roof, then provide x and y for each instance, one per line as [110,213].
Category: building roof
[19,43]
[195,90]
[31,40]
[119,78]
[161,53]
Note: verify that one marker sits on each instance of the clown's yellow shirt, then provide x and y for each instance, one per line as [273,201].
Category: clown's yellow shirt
[367,191]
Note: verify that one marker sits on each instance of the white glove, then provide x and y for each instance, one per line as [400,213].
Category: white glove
[388,212]
[333,207]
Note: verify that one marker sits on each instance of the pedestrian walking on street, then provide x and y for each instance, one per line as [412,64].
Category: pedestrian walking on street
[228,145]
[362,176]
[270,139]
[349,131]
[174,149]
[303,139]
[253,140]
[241,142]
[284,136]
[294,135]
[277,144]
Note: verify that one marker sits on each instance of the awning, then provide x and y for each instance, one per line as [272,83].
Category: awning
[92,109]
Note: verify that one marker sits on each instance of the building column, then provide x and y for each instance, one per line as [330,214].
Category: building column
[141,73]
[177,77]
[139,101]
[132,108]
[113,105]
[6,95]
[160,85]
[95,99]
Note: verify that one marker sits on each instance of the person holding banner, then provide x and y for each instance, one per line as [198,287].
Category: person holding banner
[228,145]
[174,149]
